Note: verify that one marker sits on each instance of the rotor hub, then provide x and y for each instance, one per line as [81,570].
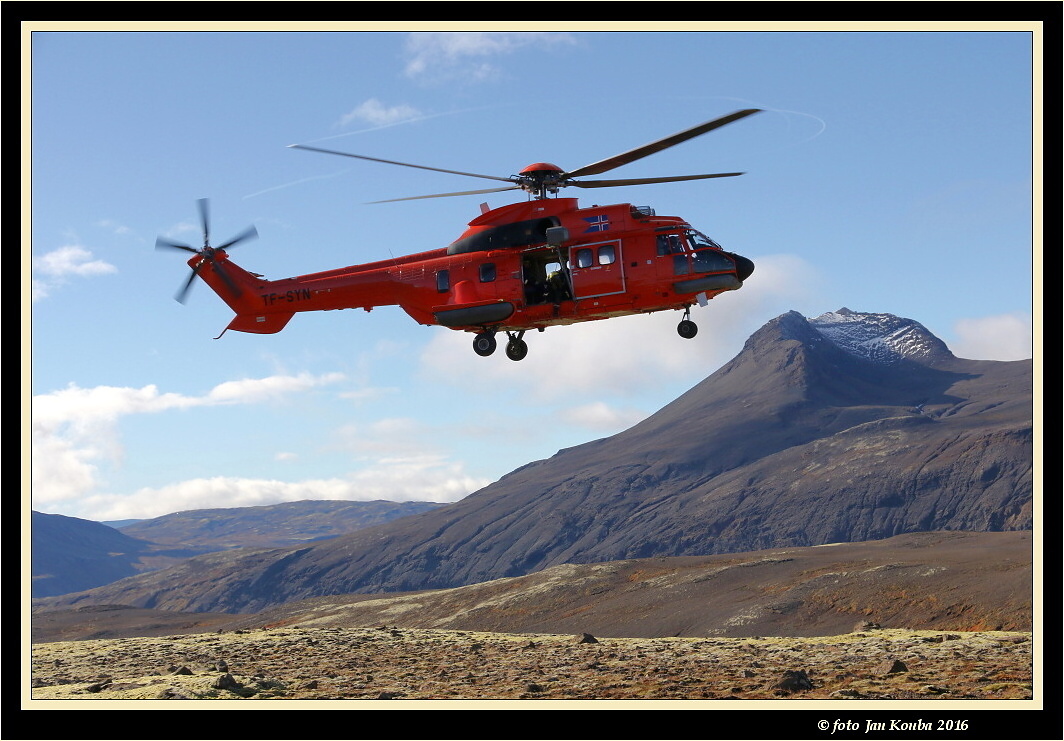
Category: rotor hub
[542,167]
[541,178]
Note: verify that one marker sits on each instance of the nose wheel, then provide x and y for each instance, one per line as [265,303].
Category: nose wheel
[686,328]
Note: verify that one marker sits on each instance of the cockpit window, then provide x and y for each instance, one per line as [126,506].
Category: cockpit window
[712,261]
[700,241]
[669,244]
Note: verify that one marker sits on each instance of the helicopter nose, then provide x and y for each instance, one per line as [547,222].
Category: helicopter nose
[744,267]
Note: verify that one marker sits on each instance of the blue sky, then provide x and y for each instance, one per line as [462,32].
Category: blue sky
[891,172]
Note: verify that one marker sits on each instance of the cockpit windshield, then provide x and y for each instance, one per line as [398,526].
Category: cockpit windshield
[699,241]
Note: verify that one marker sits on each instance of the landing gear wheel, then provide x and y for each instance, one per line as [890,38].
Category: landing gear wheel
[516,349]
[484,344]
[687,329]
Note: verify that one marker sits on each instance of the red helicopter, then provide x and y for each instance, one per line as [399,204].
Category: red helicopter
[530,265]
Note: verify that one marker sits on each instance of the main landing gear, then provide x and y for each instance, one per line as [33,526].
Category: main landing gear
[516,348]
[484,344]
[686,328]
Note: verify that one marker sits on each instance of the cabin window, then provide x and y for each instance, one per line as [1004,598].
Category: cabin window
[487,272]
[681,265]
[607,254]
[443,281]
[585,257]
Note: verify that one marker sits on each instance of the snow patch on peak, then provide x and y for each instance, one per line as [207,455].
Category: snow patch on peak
[880,338]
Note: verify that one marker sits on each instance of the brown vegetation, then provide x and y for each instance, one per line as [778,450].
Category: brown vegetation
[391,663]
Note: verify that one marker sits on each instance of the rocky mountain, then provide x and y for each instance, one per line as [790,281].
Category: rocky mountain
[70,554]
[843,428]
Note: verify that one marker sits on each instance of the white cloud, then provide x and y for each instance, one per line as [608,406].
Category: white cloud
[52,269]
[39,289]
[66,467]
[114,227]
[253,390]
[375,113]
[468,56]
[74,431]
[425,478]
[75,439]
[432,478]
[1003,337]
[87,409]
[71,260]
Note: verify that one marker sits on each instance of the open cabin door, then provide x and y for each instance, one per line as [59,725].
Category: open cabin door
[597,269]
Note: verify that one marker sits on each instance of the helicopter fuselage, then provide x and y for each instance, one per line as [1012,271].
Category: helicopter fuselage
[530,265]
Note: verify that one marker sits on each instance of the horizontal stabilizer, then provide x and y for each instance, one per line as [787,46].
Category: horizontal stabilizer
[260,323]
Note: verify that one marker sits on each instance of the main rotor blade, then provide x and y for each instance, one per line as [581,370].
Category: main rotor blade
[182,293]
[647,181]
[205,218]
[161,243]
[447,195]
[249,233]
[669,141]
[393,162]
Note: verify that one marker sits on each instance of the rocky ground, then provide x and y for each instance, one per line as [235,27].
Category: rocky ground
[389,663]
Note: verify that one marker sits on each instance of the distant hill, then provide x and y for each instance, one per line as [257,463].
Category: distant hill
[70,554]
[288,523]
[844,428]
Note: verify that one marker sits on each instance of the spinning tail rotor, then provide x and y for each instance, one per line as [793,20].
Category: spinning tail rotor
[207,253]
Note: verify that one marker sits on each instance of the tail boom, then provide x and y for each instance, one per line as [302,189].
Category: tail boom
[266,307]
